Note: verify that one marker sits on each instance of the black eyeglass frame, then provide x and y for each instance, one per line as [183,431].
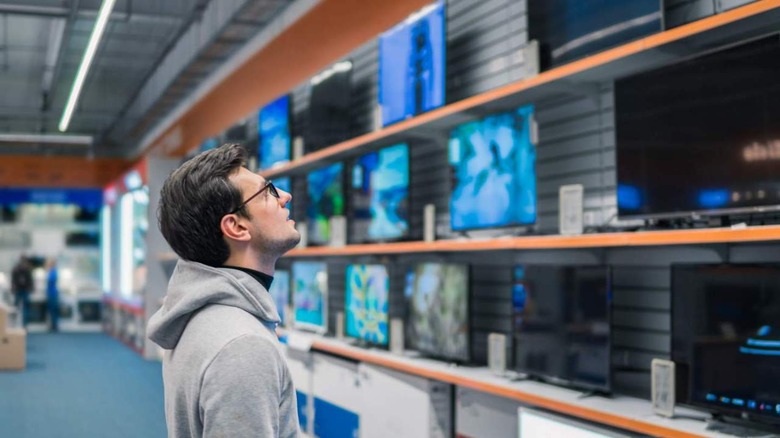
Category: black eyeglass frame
[268,186]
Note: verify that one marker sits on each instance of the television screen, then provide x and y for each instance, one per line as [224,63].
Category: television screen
[87,214]
[280,291]
[310,295]
[208,144]
[561,320]
[367,303]
[274,133]
[702,135]
[726,337]
[380,195]
[493,171]
[411,65]
[437,317]
[326,199]
[571,29]
[330,107]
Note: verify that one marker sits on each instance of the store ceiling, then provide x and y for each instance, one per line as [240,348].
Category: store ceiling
[126,92]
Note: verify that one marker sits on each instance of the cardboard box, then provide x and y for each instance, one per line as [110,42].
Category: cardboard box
[3,319]
[13,349]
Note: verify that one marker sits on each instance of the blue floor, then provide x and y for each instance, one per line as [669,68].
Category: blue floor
[82,385]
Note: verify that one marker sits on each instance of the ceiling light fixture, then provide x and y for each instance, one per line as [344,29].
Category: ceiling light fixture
[86,61]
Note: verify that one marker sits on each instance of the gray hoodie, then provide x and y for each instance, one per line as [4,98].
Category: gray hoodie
[224,372]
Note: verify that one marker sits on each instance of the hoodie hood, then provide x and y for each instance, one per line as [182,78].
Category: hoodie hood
[194,286]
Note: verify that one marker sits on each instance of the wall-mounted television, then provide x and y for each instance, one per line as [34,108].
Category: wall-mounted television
[561,324]
[330,105]
[493,164]
[326,199]
[726,338]
[571,29]
[380,195]
[367,303]
[412,65]
[437,310]
[274,133]
[280,291]
[701,136]
[310,295]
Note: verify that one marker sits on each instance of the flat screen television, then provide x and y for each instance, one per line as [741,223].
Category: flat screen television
[411,65]
[274,133]
[310,295]
[493,165]
[571,29]
[280,291]
[726,338]
[380,195]
[701,136]
[437,310]
[326,199]
[367,303]
[561,323]
[330,105]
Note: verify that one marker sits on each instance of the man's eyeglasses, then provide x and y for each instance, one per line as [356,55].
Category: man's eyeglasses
[268,186]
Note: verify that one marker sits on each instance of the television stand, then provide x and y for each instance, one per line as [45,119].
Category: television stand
[593,393]
[733,426]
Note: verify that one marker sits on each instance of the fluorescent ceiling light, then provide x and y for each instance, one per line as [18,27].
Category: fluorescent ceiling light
[59,139]
[86,61]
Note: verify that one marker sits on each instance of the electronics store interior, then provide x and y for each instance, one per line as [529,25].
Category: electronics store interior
[518,218]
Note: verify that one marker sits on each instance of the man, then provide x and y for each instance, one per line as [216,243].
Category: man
[224,372]
[22,286]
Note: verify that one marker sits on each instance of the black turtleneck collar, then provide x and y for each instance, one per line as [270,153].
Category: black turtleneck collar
[264,279]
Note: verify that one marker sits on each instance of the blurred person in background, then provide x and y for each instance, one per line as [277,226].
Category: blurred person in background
[52,294]
[21,287]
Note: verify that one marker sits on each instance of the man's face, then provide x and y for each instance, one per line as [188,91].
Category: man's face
[273,231]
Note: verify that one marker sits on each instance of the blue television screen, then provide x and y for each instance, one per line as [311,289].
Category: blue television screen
[310,295]
[411,65]
[367,303]
[280,291]
[326,199]
[208,144]
[494,173]
[437,316]
[380,195]
[274,133]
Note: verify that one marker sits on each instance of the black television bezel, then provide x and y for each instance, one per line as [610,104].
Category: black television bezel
[259,149]
[469,356]
[348,129]
[445,44]
[519,225]
[344,167]
[736,414]
[687,213]
[408,235]
[385,346]
[558,380]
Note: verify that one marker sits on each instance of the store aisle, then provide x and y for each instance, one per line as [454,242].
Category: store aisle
[82,385]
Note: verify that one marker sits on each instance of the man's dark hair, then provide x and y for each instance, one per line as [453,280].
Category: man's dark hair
[193,201]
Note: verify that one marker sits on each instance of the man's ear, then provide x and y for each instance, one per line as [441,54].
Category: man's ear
[233,227]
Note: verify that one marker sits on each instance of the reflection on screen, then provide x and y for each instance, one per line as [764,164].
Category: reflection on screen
[310,290]
[411,65]
[326,199]
[561,323]
[380,182]
[494,176]
[367,303]
[280,291]
[438,309]
[274,133]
